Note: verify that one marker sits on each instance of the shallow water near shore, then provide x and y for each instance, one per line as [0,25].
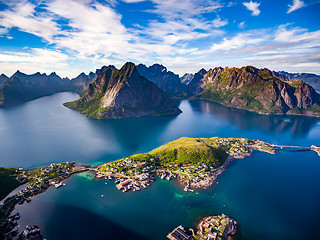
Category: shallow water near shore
[271,196]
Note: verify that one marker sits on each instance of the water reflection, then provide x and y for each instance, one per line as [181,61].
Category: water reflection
[242,119]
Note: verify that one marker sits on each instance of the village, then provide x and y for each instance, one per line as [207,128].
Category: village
[36,181]
[134,174]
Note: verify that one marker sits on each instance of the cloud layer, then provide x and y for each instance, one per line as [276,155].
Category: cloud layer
[80,35]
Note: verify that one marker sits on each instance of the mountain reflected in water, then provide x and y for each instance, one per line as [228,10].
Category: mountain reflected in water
[297,125]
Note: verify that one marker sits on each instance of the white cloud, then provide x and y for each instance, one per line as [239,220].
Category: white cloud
[239,41]
[242,25]
[219,23]
[252,6]
[133,1]
[23,17]
[295,5]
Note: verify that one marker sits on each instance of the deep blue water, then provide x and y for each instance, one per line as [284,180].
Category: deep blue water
[272,196]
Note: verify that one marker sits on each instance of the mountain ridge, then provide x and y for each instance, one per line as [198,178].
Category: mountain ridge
[123,93]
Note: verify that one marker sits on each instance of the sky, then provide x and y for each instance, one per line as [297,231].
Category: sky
[74,36]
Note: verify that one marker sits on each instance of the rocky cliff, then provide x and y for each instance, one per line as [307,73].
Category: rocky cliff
[164,79]
[259,90]
[311,79]
[123,93]
[13,92]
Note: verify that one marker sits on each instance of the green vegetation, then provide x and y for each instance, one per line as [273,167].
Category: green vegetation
[9,180]
[91,108]
[194,159]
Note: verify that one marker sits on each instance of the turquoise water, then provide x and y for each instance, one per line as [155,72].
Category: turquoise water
[272,196]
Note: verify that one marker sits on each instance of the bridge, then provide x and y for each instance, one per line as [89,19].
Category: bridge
[291,148]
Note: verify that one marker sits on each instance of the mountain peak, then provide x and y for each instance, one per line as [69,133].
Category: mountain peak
[123,93]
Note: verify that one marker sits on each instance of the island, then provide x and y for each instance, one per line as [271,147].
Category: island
[123,93]
[211,227]
[195,162]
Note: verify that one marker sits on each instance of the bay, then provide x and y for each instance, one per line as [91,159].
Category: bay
[272,196]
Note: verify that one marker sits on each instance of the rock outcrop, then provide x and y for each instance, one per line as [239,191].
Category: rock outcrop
[164,79]
[121,94]
[259,90]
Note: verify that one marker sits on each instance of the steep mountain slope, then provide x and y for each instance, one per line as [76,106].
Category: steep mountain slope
[255,89]
[164,79]
[13,92]
[43,84]
[123,93]
[22,87]
[311,79]
[3,79]
[186,78]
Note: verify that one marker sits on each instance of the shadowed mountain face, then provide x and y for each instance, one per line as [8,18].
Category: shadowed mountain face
[123,93]
[311,79]
[259,90]
[22,87]
[3,79]
[166,80]
[13,92]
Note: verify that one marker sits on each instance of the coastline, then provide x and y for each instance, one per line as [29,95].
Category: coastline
[261,113]
[25,192]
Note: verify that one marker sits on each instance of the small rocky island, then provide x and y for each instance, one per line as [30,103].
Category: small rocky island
[123,94]
[195,162]
[211,227]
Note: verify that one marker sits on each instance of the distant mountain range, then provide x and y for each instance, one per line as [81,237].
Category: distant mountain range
[21,87]
[164,79]
[123,93]
[260,90]
[311,79]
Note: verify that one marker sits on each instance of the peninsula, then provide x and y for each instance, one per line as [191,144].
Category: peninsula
[36,181]
[195,162]
[258,90]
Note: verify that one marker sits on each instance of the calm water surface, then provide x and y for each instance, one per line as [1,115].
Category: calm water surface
[272,196]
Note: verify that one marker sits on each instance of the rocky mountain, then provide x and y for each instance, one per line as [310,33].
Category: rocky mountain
[81,83]
[3,79]
[42,83]
[259,90]
[123,93]
[186,78]
[311,79]
[21,87]
[13,92]
[164,79]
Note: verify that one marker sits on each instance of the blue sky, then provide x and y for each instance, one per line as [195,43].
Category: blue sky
[71,36]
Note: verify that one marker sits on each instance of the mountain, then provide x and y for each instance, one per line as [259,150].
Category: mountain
[3,79]
[21,87]
[164,79]
[255,89]
[42,84]
[81,83]
[123,93]
[186,78]
[13,92]
[311,79]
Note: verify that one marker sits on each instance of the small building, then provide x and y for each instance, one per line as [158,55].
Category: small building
[179,234]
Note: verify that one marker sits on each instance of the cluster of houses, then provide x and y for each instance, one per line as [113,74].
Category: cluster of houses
[210,228]
[217,227]
[38,181]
